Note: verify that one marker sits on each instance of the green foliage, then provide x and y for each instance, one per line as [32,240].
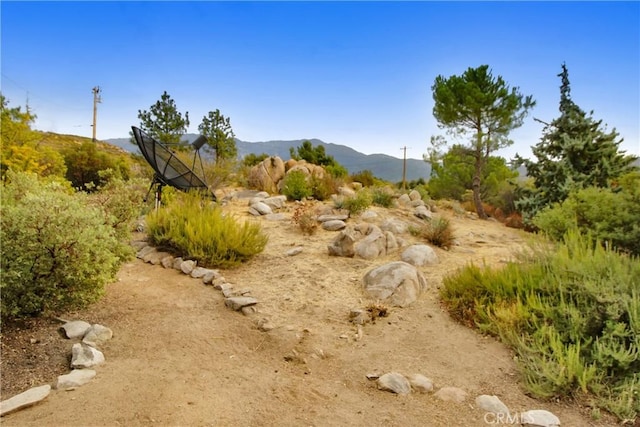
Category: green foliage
[86,162]
[322,187]
[199,230]
[572,314]
[317,156]
[252,159]
[220,136]
[57,251]
[164,122]
[484,106]
[611,216]
[336,170]
[364,177]
[438,232]
[382,196]
[573,153]
[355,204]
[295,186]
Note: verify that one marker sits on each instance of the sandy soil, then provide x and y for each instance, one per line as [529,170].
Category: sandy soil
[179,357]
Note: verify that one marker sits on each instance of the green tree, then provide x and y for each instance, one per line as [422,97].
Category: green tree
[85,163]
[318,156]
[220,136]
[484,106]
[573,153]
[164,122]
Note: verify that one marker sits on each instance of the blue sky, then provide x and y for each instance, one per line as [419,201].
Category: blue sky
[351,73]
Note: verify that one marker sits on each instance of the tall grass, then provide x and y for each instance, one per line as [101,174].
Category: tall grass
[199,230]
[572,315]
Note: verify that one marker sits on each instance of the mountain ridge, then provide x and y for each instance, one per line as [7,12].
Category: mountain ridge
[382,166]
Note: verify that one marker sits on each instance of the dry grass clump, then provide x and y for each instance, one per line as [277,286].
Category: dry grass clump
[304,218]
[437,232]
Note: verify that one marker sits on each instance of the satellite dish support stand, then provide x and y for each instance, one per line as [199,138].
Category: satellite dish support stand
[158,193]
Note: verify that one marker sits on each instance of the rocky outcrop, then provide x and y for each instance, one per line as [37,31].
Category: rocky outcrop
[397,283]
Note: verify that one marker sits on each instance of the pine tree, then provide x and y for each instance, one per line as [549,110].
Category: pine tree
[164,122]
[220,136]
[574,152]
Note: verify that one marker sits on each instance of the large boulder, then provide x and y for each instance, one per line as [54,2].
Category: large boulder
[397,283]
[267,174]
[419,255]
[373,244]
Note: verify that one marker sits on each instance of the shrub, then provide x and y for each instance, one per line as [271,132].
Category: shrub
[85,162]
[354,204]
[571,314]
[438,232]
[364,177]
[57,251]
[382,196]
[295,186]
[304,218]
[611,216]
[322,188]
[199,230]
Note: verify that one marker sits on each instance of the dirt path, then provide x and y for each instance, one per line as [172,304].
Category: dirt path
[179,357]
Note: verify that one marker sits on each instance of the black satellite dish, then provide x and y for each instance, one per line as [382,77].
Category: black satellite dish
[169,169]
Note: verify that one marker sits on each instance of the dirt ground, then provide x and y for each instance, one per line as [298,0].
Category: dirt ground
[179,357]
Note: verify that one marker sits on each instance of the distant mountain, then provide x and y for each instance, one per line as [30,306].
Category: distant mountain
[382,166]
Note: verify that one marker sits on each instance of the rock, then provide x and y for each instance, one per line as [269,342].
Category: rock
[155,258]
[414,195]
[85,356]
[236,303]
[397,282]
[139,244]
[346,192]
[218,281]
[266,175]
[75,378]
[167,261]
[373,245]
[333,225]
[294,251]
[491,404]
[25,399]
[144,251]
[404,199]
[451,394]
[275,217]
[75,329]
[333,217]
[539,418]
[199,272]
[419,255]
[261,194]
[394,225]
[177,262]
[420,383]
[275,202]
[187,266]
[422,212]
[210,277]
[96,335]
[369,215]
[394,383]
[343,243]
[227,290]
[262,208]
[392,242]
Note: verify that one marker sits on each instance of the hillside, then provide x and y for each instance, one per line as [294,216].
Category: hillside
[381,165]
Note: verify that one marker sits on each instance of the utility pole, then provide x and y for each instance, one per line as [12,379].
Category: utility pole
[96,100]
[404,168]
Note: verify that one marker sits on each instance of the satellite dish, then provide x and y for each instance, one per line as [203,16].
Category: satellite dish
[169,169]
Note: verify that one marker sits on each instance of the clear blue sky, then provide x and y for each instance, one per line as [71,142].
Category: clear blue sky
[351,73]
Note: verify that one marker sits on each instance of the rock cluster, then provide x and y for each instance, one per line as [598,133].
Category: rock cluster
[84,355]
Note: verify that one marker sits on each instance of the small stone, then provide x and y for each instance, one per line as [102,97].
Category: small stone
[294,251]
[187,266]
[177,262]
[248,310]
[395,383]
[144,251]
[491,404]
[85,356]
[212,275]
[236,303]
[167,261]
[333,225]
[451,394]
[96,335]
[25,399]
[420,383]
[199,272]
[539,418]
[75,329]
[373,376]
[75,378]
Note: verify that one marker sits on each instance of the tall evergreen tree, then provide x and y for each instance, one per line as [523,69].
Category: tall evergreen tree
[574,152]
[476,103]
[164,122]
[220,136]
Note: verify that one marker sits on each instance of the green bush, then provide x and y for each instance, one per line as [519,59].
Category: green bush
[322,187]
[295,186]
[199,230]
[610,216]
[85,162]
[438,232]
[571,314]
[364,177]
[354,204]
[57,251]
[382,196]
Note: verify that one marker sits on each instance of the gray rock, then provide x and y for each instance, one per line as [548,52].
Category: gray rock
[262,194]
[422,212]
[333,225]
[420,383]
[149,255]
[85,356]
[262,208]
[167,261]
[227,290]
[210,277]
[294,251]
[419,255]
[236,303]
[394,225]
[369,215]
[199,272]
[275,202]
[155,257]
[333,217]
[404,199]
[218,281]
[491,404]
[392,242]
[416,203]
[25,399]
[187,266]
[451,394]
[75,329]
[275,217]
[75,378]
[177,262]
[539,418]
[96,335]
[144,251]
[139,244]
[343,244]
[254,212]
[397,282]
[414,195]
[373,245]
[394,383]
